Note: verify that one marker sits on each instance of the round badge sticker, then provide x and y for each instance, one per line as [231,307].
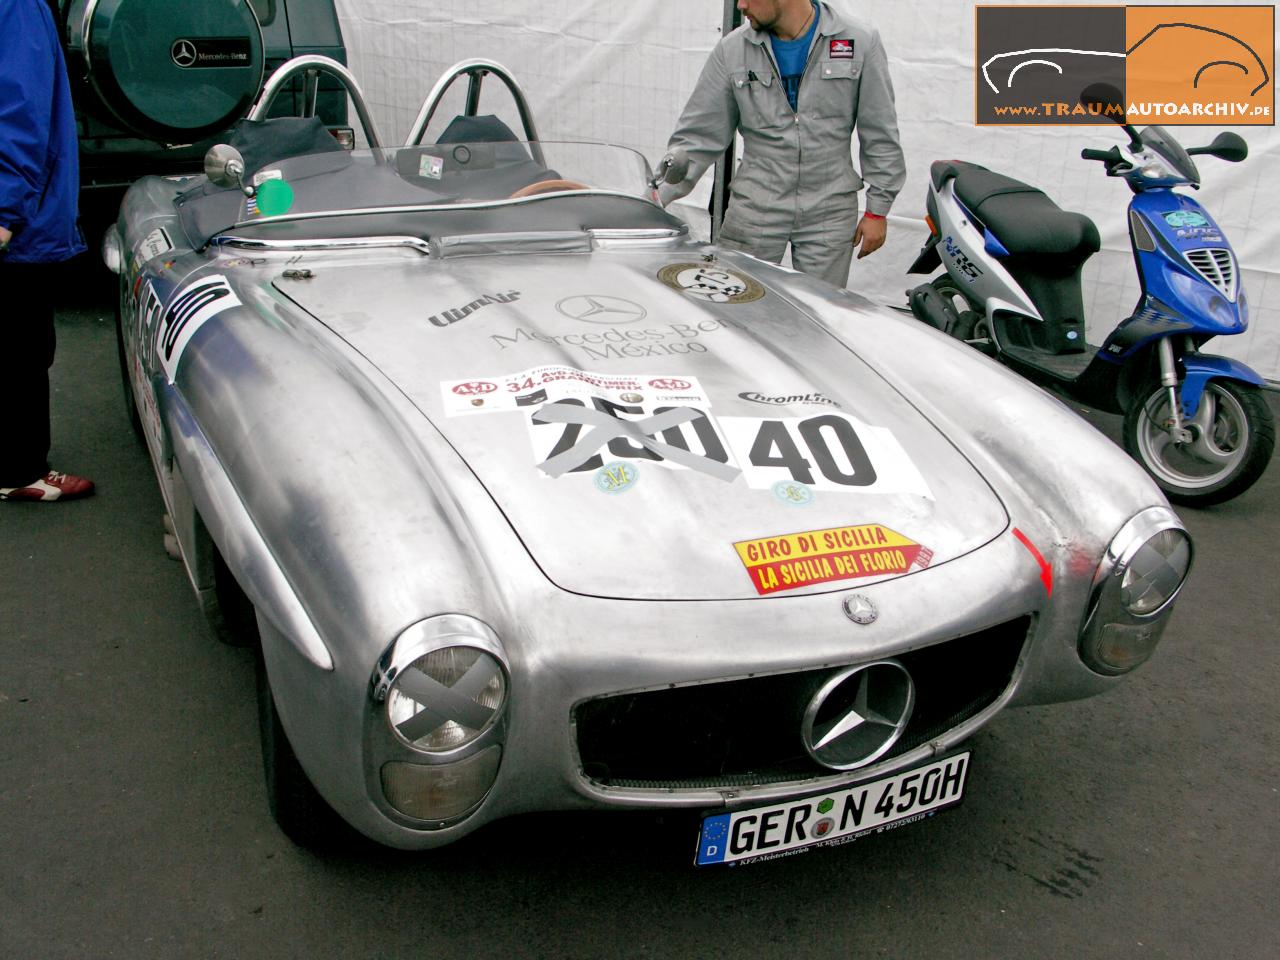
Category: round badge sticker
[616,477]
[710,282]
[793,494]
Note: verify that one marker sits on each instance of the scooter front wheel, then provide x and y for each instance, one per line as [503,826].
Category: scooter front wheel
[1224,450]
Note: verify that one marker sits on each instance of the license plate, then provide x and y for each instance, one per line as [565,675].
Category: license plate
[828,819]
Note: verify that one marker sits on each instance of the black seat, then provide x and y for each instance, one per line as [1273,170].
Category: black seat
[484,129]
[1023,218]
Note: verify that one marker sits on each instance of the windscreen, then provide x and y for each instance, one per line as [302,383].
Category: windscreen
[428,191]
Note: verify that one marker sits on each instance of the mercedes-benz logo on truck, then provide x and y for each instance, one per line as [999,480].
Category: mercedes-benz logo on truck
[183,53]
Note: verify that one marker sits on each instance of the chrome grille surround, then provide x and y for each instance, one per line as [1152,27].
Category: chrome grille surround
[748,731]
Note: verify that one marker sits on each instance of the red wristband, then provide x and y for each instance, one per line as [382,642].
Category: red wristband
[873,216]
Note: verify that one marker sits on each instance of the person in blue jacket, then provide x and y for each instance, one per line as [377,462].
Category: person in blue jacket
[39,183]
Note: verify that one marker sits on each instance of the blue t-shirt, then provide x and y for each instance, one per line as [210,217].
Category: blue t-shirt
[791,56]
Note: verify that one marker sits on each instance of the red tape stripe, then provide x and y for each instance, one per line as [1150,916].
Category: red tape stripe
[1046,571]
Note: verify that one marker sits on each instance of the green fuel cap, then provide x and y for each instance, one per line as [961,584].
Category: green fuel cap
[174,72]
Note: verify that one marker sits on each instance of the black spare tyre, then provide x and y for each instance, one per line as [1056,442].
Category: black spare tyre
[169,71]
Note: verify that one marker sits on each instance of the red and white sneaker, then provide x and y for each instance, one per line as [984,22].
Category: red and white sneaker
[52,486]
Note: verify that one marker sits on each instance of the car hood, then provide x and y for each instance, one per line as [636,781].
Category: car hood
[777,461]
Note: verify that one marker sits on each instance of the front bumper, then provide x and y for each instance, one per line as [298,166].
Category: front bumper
[581,649]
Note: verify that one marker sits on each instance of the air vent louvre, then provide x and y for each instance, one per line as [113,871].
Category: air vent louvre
[1218,266]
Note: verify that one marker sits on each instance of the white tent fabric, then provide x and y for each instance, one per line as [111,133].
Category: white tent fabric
[620,72]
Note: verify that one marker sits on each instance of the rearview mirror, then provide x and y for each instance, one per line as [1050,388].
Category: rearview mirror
[1108,101]
[1226,146]
[673,168]
[224,167]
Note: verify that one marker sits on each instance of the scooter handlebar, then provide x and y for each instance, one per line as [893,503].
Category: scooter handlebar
[1107,156]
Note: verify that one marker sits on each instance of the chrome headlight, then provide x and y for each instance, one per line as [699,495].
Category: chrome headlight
[439,696]
[1133,591]
[1154,573]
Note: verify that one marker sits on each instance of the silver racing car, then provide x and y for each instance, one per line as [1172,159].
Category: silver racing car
[532,502]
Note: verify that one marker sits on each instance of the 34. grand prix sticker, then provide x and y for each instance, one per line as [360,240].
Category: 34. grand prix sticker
[790,561]
[578,421]
[555,382]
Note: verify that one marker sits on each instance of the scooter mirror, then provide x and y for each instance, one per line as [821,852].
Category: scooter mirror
[1108,100]
[1226,146]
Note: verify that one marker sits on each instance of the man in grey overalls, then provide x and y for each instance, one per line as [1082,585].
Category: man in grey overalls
[796,183]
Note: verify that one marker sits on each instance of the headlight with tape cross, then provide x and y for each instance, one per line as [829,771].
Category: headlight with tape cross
[446,698]
[435,733]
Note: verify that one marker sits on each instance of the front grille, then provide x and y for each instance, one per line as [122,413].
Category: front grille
[740,732]
[1217,266]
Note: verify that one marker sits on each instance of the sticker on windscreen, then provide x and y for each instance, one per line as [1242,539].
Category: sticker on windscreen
[251,206]
[710,282]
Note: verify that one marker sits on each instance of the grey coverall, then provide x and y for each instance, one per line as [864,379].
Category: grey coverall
[796,182]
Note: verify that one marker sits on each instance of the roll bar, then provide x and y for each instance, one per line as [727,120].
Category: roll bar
[475,71]
[310,67]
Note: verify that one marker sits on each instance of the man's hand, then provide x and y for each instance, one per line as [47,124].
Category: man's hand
[870,233]
[5,237]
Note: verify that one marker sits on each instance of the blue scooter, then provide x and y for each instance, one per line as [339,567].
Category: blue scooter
[1197,423]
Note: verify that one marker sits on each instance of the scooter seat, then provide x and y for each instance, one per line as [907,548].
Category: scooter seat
[1022,218]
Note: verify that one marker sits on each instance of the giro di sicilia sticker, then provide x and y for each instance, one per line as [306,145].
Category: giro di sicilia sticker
[790,561]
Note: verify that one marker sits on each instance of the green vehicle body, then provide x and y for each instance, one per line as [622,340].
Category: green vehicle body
[156,83]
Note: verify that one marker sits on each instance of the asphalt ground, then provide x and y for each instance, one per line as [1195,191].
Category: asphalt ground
[133,822]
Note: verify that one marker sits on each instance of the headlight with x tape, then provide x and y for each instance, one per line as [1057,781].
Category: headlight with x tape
[440,691]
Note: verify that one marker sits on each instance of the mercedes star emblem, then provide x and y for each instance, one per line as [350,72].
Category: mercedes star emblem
[858,715]
[860,609]
[601,309]
[183,53]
